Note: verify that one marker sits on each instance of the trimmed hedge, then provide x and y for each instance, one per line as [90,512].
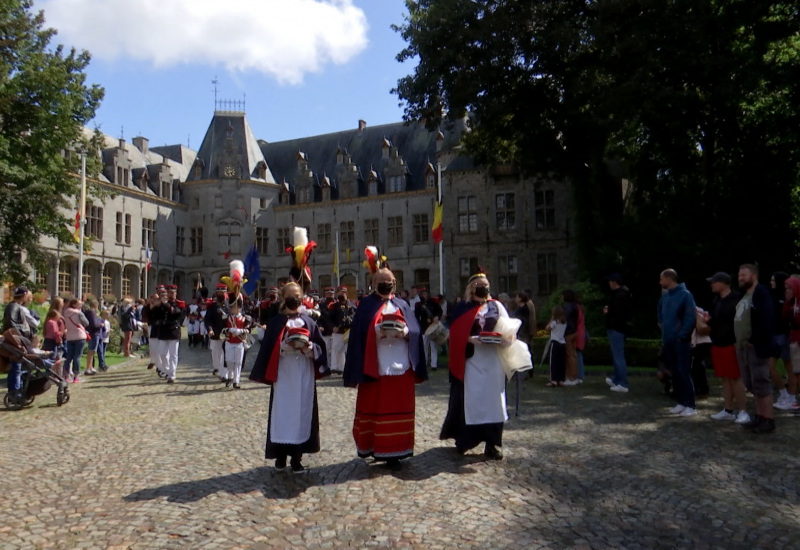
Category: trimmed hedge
[639,352]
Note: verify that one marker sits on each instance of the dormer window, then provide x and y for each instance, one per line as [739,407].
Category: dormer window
[396,184]
[284,198]
[262,170]
[198,171]
[166,189]
[387,145]
[430,181]
[339,157]
[326,194]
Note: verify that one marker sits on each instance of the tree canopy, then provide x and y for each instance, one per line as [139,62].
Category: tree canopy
[44,105]
[695,103]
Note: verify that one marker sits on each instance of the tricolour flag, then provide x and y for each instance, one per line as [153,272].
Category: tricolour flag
[436,231]
[77,233]
[147,254]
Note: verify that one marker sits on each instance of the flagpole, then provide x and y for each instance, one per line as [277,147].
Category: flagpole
[146,259]
[441,243]
[82,211]
[337,260]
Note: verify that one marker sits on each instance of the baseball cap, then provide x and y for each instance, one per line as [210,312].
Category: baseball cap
[720,277]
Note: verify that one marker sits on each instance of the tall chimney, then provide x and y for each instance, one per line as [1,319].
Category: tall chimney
[361,124]
[141,144]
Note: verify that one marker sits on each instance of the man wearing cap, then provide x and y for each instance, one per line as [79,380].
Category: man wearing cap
[618,323]
[170,334]
[216,320]
[384,360]
[719,321]
[341,316]
[15,316]
[151,315]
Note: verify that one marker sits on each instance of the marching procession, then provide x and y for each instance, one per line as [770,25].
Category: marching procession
[378,344]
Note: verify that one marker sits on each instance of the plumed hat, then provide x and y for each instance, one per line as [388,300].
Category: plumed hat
[300,251]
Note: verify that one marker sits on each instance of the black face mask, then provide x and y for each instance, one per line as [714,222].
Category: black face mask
[482,291]
[385,288]
[292,303]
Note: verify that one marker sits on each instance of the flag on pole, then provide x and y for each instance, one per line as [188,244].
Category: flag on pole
[436,231]
[77,233]
[147,253]
[252,270]
[336,260]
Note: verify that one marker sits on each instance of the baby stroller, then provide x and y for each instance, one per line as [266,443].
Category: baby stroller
[38,374]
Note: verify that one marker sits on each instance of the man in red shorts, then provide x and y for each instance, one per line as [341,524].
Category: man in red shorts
[723,348]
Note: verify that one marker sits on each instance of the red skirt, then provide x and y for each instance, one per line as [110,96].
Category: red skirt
[384,423]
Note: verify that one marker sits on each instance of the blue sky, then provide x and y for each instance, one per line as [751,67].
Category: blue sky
[304,67]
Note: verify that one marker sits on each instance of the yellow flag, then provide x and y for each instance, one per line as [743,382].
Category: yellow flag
[336,261]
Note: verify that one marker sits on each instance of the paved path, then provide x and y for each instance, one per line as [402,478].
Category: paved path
[131,462]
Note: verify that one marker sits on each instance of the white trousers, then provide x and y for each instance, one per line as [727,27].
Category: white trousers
[234,355]
[338,352]
[155,353]
[431,352]
[169,356]
[218,357]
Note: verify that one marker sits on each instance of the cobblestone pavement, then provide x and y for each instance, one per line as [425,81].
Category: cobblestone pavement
[131,462]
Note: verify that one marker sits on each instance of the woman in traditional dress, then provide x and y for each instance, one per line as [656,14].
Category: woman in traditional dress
[477,407]
[291,358]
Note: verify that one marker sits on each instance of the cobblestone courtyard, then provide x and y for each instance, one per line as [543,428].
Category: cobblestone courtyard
[131,462]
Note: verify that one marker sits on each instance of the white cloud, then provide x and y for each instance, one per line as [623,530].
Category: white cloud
[281,38]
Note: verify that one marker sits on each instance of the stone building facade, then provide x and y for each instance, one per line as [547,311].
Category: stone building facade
[197,210]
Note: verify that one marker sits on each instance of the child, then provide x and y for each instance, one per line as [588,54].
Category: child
[48,358]
[192,328]
[558,347]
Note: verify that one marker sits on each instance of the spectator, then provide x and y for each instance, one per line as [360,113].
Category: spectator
[718,324]
[76,323]
[571,336]
[526,313]
[791,314]
[753,326]
[618,325]
[95,330]
[126,325]
[556,327]
[676,317]
[780,349]
[427,311]
[15,317]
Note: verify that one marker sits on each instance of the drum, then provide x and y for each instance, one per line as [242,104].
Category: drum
[438,334]
[491,337]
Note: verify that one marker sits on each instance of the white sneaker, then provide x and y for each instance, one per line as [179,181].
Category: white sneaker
[724,415]
[742,417]
[579,380]
[610,382]
[780,403]
[571,382]
[621,389]
[677,409]
[688,411]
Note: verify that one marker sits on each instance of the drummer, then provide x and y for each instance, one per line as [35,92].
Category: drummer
[428,312]
[477,407]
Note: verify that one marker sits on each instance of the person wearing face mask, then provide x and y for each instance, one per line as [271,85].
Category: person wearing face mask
[292,357]
[384,361]
[341,316]
[477,407]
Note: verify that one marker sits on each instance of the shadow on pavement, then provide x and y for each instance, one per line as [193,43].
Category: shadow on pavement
[284,484]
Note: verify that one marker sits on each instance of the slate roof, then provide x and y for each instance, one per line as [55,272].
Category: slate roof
[244,144]
[416,146]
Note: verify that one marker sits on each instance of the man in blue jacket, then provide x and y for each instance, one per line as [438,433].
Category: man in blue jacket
[677,317]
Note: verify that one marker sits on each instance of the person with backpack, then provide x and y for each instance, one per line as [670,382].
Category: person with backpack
[618,324]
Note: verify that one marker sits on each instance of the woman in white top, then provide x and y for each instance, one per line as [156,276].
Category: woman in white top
[558,347]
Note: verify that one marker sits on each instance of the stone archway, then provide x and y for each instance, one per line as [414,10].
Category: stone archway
[131,281]
[112,282]
[67,275]
[92,279]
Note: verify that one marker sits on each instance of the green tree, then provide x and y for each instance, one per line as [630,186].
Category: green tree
[693,102]
[44,105]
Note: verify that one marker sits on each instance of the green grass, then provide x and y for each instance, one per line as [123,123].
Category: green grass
[112,359]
